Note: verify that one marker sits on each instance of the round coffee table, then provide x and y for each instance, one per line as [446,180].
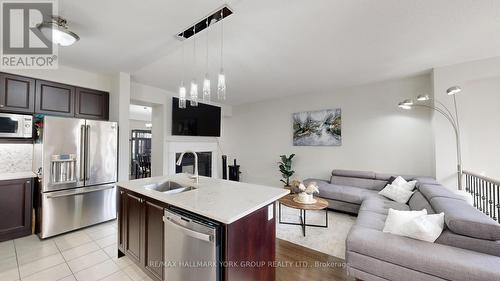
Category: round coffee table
[321,204]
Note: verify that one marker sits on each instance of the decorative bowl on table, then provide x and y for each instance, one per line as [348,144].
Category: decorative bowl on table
[304,198]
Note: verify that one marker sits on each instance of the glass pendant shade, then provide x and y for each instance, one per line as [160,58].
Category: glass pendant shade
[182,96]
[206,89]
[221,86]
[194,93]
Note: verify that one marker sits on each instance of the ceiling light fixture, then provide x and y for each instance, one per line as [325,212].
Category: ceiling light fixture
[193,92]
[206,81]
[216,16]
[57,30]
[182,88]
[221,81]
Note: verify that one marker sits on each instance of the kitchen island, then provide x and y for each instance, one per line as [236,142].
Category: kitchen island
[242,216]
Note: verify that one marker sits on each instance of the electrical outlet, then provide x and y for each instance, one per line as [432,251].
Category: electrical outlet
[270,212]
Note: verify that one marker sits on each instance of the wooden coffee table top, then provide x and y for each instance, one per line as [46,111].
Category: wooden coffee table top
[288,201]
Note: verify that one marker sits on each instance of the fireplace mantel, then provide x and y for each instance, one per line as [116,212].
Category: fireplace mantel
[179,144]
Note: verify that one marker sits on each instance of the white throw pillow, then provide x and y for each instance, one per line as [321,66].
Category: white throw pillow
[401,182]
[396,193]
[395,219]
[425,228]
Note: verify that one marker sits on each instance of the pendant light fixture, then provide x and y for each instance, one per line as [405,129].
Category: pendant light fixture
[193,92]
[182,88]
[206,81]
[221,81]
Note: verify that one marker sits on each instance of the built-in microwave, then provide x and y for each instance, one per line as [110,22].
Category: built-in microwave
[16,126]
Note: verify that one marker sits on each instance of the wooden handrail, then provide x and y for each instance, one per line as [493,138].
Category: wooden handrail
[493,181]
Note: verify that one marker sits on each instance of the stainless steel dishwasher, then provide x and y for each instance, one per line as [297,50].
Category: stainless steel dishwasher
[192,247]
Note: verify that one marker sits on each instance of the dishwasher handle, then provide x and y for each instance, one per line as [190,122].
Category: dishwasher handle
[189,232]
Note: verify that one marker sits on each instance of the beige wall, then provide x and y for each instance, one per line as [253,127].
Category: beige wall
[376,134]
[479,117]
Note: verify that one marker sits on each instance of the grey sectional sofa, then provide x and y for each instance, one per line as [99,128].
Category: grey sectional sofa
[468,248]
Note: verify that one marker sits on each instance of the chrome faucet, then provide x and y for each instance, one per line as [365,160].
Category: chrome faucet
[179,161]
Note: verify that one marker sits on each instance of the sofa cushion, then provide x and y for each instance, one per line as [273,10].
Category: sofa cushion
[439,260]
[418,202]
[343,193]
[469,243]
[354,174]
[425,180]
[395,221]
[387,177]
[359,182]
[464,219]
[396,193]
[431,191]
[382,206]
[371,220]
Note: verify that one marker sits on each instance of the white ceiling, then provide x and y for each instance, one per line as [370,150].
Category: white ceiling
[282,47]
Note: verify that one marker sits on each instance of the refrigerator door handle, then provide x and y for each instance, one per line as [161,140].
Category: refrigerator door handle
[72,193]
[87,159]
[82,153]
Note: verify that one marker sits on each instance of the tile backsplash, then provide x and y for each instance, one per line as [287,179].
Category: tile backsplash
[15,158]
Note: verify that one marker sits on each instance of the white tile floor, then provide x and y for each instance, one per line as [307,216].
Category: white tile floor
[87,254]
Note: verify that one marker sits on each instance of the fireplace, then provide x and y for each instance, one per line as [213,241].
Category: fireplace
[187,165]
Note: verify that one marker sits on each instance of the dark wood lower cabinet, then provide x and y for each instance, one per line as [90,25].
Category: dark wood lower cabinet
[141,238]
[15,208]
[154,232]
[133,232]
[140,223]
[251,238]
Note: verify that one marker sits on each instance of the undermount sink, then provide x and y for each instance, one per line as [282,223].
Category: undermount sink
[169,187]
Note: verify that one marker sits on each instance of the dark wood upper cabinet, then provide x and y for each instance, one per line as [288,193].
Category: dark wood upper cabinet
[15,208]
[54,98]
[91,104]
[17,93]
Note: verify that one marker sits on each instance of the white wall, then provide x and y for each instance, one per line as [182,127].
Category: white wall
[71,76]
[479,117]
[377,136]
[119,101]
[161,101]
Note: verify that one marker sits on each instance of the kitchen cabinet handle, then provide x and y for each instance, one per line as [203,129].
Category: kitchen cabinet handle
[189,232]
[87,136]
[80,193]
[82,153]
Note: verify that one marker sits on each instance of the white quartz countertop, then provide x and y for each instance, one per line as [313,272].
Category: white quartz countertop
[17,175]
[221,200]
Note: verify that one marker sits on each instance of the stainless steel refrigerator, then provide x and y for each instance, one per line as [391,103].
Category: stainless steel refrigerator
[76,160]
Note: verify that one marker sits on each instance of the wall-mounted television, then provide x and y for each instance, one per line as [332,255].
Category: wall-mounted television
[202,120]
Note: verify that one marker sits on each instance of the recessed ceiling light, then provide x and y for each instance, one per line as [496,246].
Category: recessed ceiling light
[57,29]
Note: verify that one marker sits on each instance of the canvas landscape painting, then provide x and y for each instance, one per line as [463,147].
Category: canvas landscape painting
[318,128]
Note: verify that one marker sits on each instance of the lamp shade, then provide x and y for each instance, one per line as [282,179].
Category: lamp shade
[423,98]
[453,90]
[403,105]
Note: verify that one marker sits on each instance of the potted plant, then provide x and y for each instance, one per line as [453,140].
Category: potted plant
[286,169]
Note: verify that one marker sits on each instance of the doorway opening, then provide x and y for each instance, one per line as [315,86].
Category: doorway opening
[140,141]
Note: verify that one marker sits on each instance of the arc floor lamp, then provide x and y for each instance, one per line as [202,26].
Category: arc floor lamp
[452,117]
